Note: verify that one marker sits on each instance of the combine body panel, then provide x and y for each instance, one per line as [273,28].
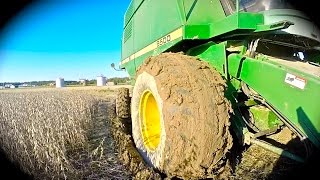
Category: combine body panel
[265,49]
[179,20]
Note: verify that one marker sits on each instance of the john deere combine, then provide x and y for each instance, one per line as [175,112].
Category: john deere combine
[204,69]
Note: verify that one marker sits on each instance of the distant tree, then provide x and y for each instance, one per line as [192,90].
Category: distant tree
[71,83]
[40,83]
[92,82]
[120,80]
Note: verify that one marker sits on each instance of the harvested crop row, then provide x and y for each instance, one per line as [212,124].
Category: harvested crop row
[58,134]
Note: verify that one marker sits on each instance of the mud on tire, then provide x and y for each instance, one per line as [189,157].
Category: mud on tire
[193,113]
[123,103]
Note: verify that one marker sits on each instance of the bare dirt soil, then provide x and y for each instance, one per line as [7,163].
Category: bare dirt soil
[248,163]
[118,159]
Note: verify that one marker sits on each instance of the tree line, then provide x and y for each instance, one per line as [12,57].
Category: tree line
[116,80]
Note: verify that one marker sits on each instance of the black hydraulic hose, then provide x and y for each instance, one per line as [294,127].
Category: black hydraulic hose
[290,126]
[301,136]
[247,91]
[282,118]
[266,132]
[249,124]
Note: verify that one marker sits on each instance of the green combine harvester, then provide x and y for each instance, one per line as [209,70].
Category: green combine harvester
[204,70]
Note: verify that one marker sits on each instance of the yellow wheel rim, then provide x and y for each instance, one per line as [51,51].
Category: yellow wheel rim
[149,120]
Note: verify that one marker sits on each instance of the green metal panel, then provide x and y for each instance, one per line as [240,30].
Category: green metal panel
[264,118]
[203,11]
[149,22]
[132,65]
[234,64]
[236,21]
[129,14]
[200,19]
[148,19]
[139,60]
[131,68]
[233,23]
[127,41]
[127,47]
[212,53]
[301,106]
[267,78]
[133,6]
[197,32]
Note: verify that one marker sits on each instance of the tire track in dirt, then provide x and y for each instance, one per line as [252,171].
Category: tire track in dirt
[249,163]
[127,153]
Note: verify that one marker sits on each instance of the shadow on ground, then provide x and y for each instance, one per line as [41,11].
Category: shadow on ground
[10,170]
[288,169]
[310,167]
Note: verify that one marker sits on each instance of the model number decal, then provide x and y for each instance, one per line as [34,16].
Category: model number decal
[178,33]
[164,40]
[295,81]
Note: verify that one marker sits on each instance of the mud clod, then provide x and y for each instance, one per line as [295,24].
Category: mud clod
[127,153]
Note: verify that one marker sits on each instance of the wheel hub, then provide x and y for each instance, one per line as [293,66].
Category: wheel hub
[149,120]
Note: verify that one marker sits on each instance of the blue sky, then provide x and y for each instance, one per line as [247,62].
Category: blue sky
[63,38]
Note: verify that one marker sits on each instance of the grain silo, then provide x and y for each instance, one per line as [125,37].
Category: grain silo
[59,83]
[101,81]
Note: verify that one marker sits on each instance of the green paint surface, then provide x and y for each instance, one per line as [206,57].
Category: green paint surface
[208,33]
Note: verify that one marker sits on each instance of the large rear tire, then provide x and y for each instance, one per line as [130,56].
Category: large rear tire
[180,117]
[123,103]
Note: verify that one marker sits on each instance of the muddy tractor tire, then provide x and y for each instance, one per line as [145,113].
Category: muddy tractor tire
[180,117]
[123,103]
